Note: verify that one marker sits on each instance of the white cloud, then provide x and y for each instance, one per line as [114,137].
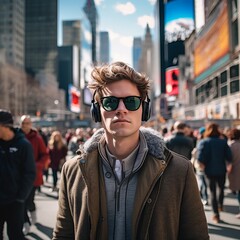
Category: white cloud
[125,9]
[151,1]
[98,2]
[121,47]
[143,20]
[126,41]
[117,38]
[112,35]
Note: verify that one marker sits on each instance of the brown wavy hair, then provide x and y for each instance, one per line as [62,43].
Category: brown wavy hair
[109,73]
[212,130]
[235,134]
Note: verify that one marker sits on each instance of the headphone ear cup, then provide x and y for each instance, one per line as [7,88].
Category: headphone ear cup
[146,111]
[95,112]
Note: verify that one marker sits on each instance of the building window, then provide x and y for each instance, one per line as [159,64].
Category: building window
[234,86]
[223,77]
[234,71]
[223,91]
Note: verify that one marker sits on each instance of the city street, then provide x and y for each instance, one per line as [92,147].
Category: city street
[46,201]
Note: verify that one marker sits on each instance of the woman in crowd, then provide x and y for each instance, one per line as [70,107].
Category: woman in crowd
[234,174]
[213,153]
[58,152]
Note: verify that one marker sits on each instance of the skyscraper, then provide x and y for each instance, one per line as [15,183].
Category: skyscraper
[104,47]
[41,36]
[92,14]
[71,32]
[68,67]
[137,50]
[12,31]
[145,62]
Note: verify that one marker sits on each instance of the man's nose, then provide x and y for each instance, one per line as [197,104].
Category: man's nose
[121,106]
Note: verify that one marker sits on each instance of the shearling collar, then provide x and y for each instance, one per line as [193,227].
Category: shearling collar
[153,138]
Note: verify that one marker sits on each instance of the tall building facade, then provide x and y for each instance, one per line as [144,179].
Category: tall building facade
[77,34]
[146,59]
[137,51]
[68,62]
[41,53]
[41,36]
[214,59]
[104,47]
[12,27]
[71,32]
[13,87]
[92,14]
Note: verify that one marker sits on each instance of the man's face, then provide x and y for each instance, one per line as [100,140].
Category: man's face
[26,125]
[121,122]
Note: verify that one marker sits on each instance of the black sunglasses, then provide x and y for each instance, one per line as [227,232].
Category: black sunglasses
[110,103]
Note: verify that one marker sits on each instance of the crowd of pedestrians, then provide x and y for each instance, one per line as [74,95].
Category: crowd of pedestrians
[214,153]
[27,154]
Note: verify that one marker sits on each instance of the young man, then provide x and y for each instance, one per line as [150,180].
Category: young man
[125,184]
[41,157]
[17,173]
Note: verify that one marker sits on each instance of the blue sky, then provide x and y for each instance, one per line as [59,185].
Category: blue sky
[123,20]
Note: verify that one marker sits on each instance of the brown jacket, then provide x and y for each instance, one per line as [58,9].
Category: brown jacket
[167,204]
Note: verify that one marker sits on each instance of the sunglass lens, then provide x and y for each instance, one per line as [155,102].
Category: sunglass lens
[132,103]
[110,103]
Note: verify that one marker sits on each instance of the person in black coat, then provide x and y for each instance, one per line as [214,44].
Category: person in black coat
[180,143]
[17,173]
[215,157]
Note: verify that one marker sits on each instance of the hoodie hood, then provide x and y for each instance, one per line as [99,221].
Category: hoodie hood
[32,133]
[155,143]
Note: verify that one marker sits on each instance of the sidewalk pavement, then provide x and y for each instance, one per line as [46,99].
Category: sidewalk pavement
[229,226]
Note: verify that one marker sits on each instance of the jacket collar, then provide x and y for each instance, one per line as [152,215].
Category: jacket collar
[155,143]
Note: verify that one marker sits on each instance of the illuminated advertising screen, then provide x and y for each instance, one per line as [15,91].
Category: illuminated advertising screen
[172,74]
[213,42]
[179,24]
[74,99]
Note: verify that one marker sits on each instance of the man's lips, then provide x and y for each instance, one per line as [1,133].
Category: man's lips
[121,121]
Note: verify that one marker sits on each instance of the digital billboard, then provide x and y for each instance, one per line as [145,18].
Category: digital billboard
[74,99]
[213,42]
[172,74]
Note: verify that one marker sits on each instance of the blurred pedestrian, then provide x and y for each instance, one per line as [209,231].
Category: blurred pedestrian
[69,134]
[78,137]
[234,173]
[180,143]
[57,152]
[17,173]
[125,184]
[189,132]
[41,158]
[213,155]
[44,136]
[200,174]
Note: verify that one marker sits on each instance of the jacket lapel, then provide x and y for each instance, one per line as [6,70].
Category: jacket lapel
[147,177]
[92,172]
